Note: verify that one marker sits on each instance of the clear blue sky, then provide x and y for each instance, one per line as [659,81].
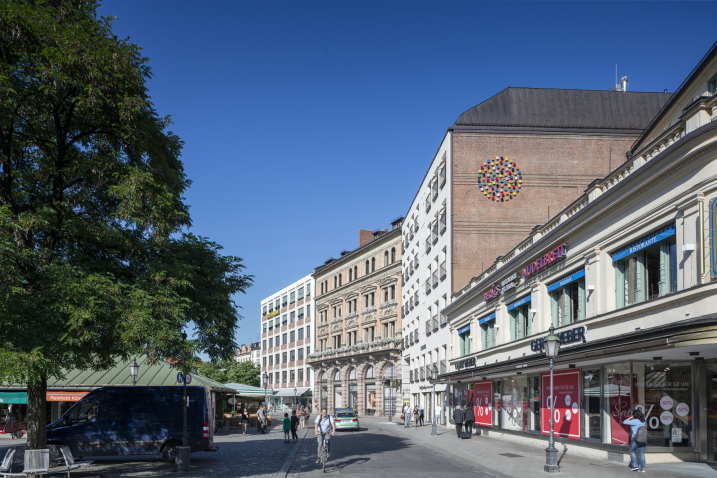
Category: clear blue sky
[305,121]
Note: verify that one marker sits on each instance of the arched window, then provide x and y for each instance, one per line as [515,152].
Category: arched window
[385,259]
[369,372]
[351,272]
[323,376]
[373,264]
[393,255]
[367,268]
[352,374]
[322,287]
[334,282]
[326,285]
[340,276]
[355,272]
[337,377]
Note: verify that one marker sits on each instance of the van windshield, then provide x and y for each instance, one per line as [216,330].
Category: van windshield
[83,412]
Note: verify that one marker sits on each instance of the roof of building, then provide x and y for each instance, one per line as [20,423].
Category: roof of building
[566,109]
[159,374]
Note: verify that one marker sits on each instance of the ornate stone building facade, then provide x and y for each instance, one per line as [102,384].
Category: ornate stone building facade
[358,328]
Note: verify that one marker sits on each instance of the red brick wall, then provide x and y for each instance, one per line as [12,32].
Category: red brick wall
[365,237]
[556,169]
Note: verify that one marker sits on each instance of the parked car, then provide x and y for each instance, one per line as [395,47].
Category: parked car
[346,419]
[135,421]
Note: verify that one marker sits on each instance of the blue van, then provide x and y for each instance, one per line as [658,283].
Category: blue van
[135,421]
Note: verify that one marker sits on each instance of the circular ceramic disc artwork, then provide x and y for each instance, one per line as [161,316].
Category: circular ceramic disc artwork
[500,179]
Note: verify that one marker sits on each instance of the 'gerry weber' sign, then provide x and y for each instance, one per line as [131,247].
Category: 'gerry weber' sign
[465,363]
[578,334]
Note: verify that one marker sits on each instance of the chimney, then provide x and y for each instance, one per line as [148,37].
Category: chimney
[624,83]
[365,237]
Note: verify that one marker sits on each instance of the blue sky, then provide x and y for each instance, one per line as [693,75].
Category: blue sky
[305,121]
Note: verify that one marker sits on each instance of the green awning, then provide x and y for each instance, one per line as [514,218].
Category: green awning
[13,397]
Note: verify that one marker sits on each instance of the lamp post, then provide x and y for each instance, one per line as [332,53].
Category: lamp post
[434,377]
[266,384]
[295,398]
[134,370]
[552,347]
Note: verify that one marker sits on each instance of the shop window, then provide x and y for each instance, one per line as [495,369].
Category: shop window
[464,341]
[534,403]
[617,403]
[514,403]
[487,332]
[520,320]
[591,404]
[497,387]
[647,269]
[567,299]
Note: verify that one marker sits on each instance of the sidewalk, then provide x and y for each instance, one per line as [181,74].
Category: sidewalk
[517,460]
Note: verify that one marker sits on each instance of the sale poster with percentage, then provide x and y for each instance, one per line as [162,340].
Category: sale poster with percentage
[566,403]
[482,403]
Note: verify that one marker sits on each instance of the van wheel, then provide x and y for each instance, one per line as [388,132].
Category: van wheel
[169,452]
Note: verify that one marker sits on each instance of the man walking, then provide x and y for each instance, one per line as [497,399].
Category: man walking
[261,419]
[470,419]
[437,416]
[459,417]
[406,415]
[324,422]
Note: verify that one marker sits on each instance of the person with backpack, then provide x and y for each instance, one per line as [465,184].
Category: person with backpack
[638,441]
[324,424]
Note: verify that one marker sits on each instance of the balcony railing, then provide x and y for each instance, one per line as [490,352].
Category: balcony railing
[442,223]
[443,321]
[428,204]
[443,270]
[368,310]
[442,177]
[434,276]
[435,232]
[428,329]
[434,322]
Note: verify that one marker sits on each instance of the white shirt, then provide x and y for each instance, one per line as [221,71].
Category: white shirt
[406,409]
[439,411]
[324,423]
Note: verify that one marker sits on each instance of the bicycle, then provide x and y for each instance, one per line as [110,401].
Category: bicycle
[324,451]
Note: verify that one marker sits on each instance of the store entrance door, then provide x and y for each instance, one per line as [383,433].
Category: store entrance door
[711,411]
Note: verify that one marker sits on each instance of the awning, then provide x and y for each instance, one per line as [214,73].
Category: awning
[289,392]
[65,396]
[13,397]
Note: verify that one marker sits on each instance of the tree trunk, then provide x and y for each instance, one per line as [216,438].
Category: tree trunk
[36,413]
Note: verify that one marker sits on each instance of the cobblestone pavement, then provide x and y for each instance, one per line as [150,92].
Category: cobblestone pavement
[253,455]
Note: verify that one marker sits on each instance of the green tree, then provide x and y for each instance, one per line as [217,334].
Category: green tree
[246,373]
[94,264]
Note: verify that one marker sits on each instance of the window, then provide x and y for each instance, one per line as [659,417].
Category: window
[292,356]
[271,344]
[277,377]
[283,301]
[264,327]
[355,272]
[335,282]
[293,317]
[264,345]
[284,320]
[283,339]
[271,360]
[322,288]
[337,376]
[487,332]
[301,374]
[340,277]
[712,85]
[308,311]
[308,290]
[276,359]
[292,377]
[308,350]
[301,334]
[264,311]
[308,374]
[301,293]
[385,258]
[567,299]
[648,272]
[301,313]
[283,377]
[366,271]
[393,255]
[393,292]
[292,336]
[301,354]
[277,304]
[292,297]
[263,361]
[308,332]
[464,341]
[520,319]
[283,357]
[351,273]
[373,264]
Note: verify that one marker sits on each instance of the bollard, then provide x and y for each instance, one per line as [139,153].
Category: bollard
[182,459]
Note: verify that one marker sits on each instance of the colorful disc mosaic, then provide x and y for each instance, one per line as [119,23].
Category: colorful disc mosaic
[500,179]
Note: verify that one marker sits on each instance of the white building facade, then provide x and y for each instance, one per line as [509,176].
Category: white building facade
[249,353]
[287,319]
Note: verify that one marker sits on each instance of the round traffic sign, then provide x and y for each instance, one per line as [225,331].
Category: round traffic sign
[188,379]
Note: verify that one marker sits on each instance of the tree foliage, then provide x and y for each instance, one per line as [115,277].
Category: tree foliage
[95,260]
[229,371]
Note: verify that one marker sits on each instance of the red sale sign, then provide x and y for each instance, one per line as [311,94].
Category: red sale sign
[482,403]
[566,403]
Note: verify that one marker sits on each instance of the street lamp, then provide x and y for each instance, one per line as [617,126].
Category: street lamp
[295,398]
[134,370]
[266,384]
[434,376]
[552,347]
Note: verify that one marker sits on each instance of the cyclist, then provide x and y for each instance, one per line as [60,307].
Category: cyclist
[323,424]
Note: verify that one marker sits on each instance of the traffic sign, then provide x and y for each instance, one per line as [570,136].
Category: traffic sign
[180,377]
[189,379]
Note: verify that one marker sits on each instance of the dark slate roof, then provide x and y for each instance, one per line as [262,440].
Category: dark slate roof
[566,109]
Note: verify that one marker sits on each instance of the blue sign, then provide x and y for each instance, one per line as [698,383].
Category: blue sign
[487,319]
[180,377]
[567,280]
[643,243]
[465,329]
[522,301]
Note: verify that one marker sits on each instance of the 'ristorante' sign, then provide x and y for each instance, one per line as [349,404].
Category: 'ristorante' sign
[550,257]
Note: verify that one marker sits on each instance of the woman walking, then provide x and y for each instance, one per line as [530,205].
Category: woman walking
[638,440]
[416,416]
[244,420]
[302,416]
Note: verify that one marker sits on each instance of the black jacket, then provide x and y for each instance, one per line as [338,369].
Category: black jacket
[458,415]
[470,415]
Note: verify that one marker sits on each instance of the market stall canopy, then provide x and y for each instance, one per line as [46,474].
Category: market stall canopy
[13,397]
[248,390]
[159,374]
[289,392]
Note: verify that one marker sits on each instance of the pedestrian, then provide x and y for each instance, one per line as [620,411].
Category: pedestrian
[470,419]
[637,441]
[287,427]
[422,415]
[323,424]
[244,420]
[458,418]
[438,413]
[406,415]
[415,415]
[261,418]
[294,425]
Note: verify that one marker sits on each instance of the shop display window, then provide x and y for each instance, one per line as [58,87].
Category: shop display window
[497,402]
[514,403]
[618,387]
[534,403]
[592,403]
